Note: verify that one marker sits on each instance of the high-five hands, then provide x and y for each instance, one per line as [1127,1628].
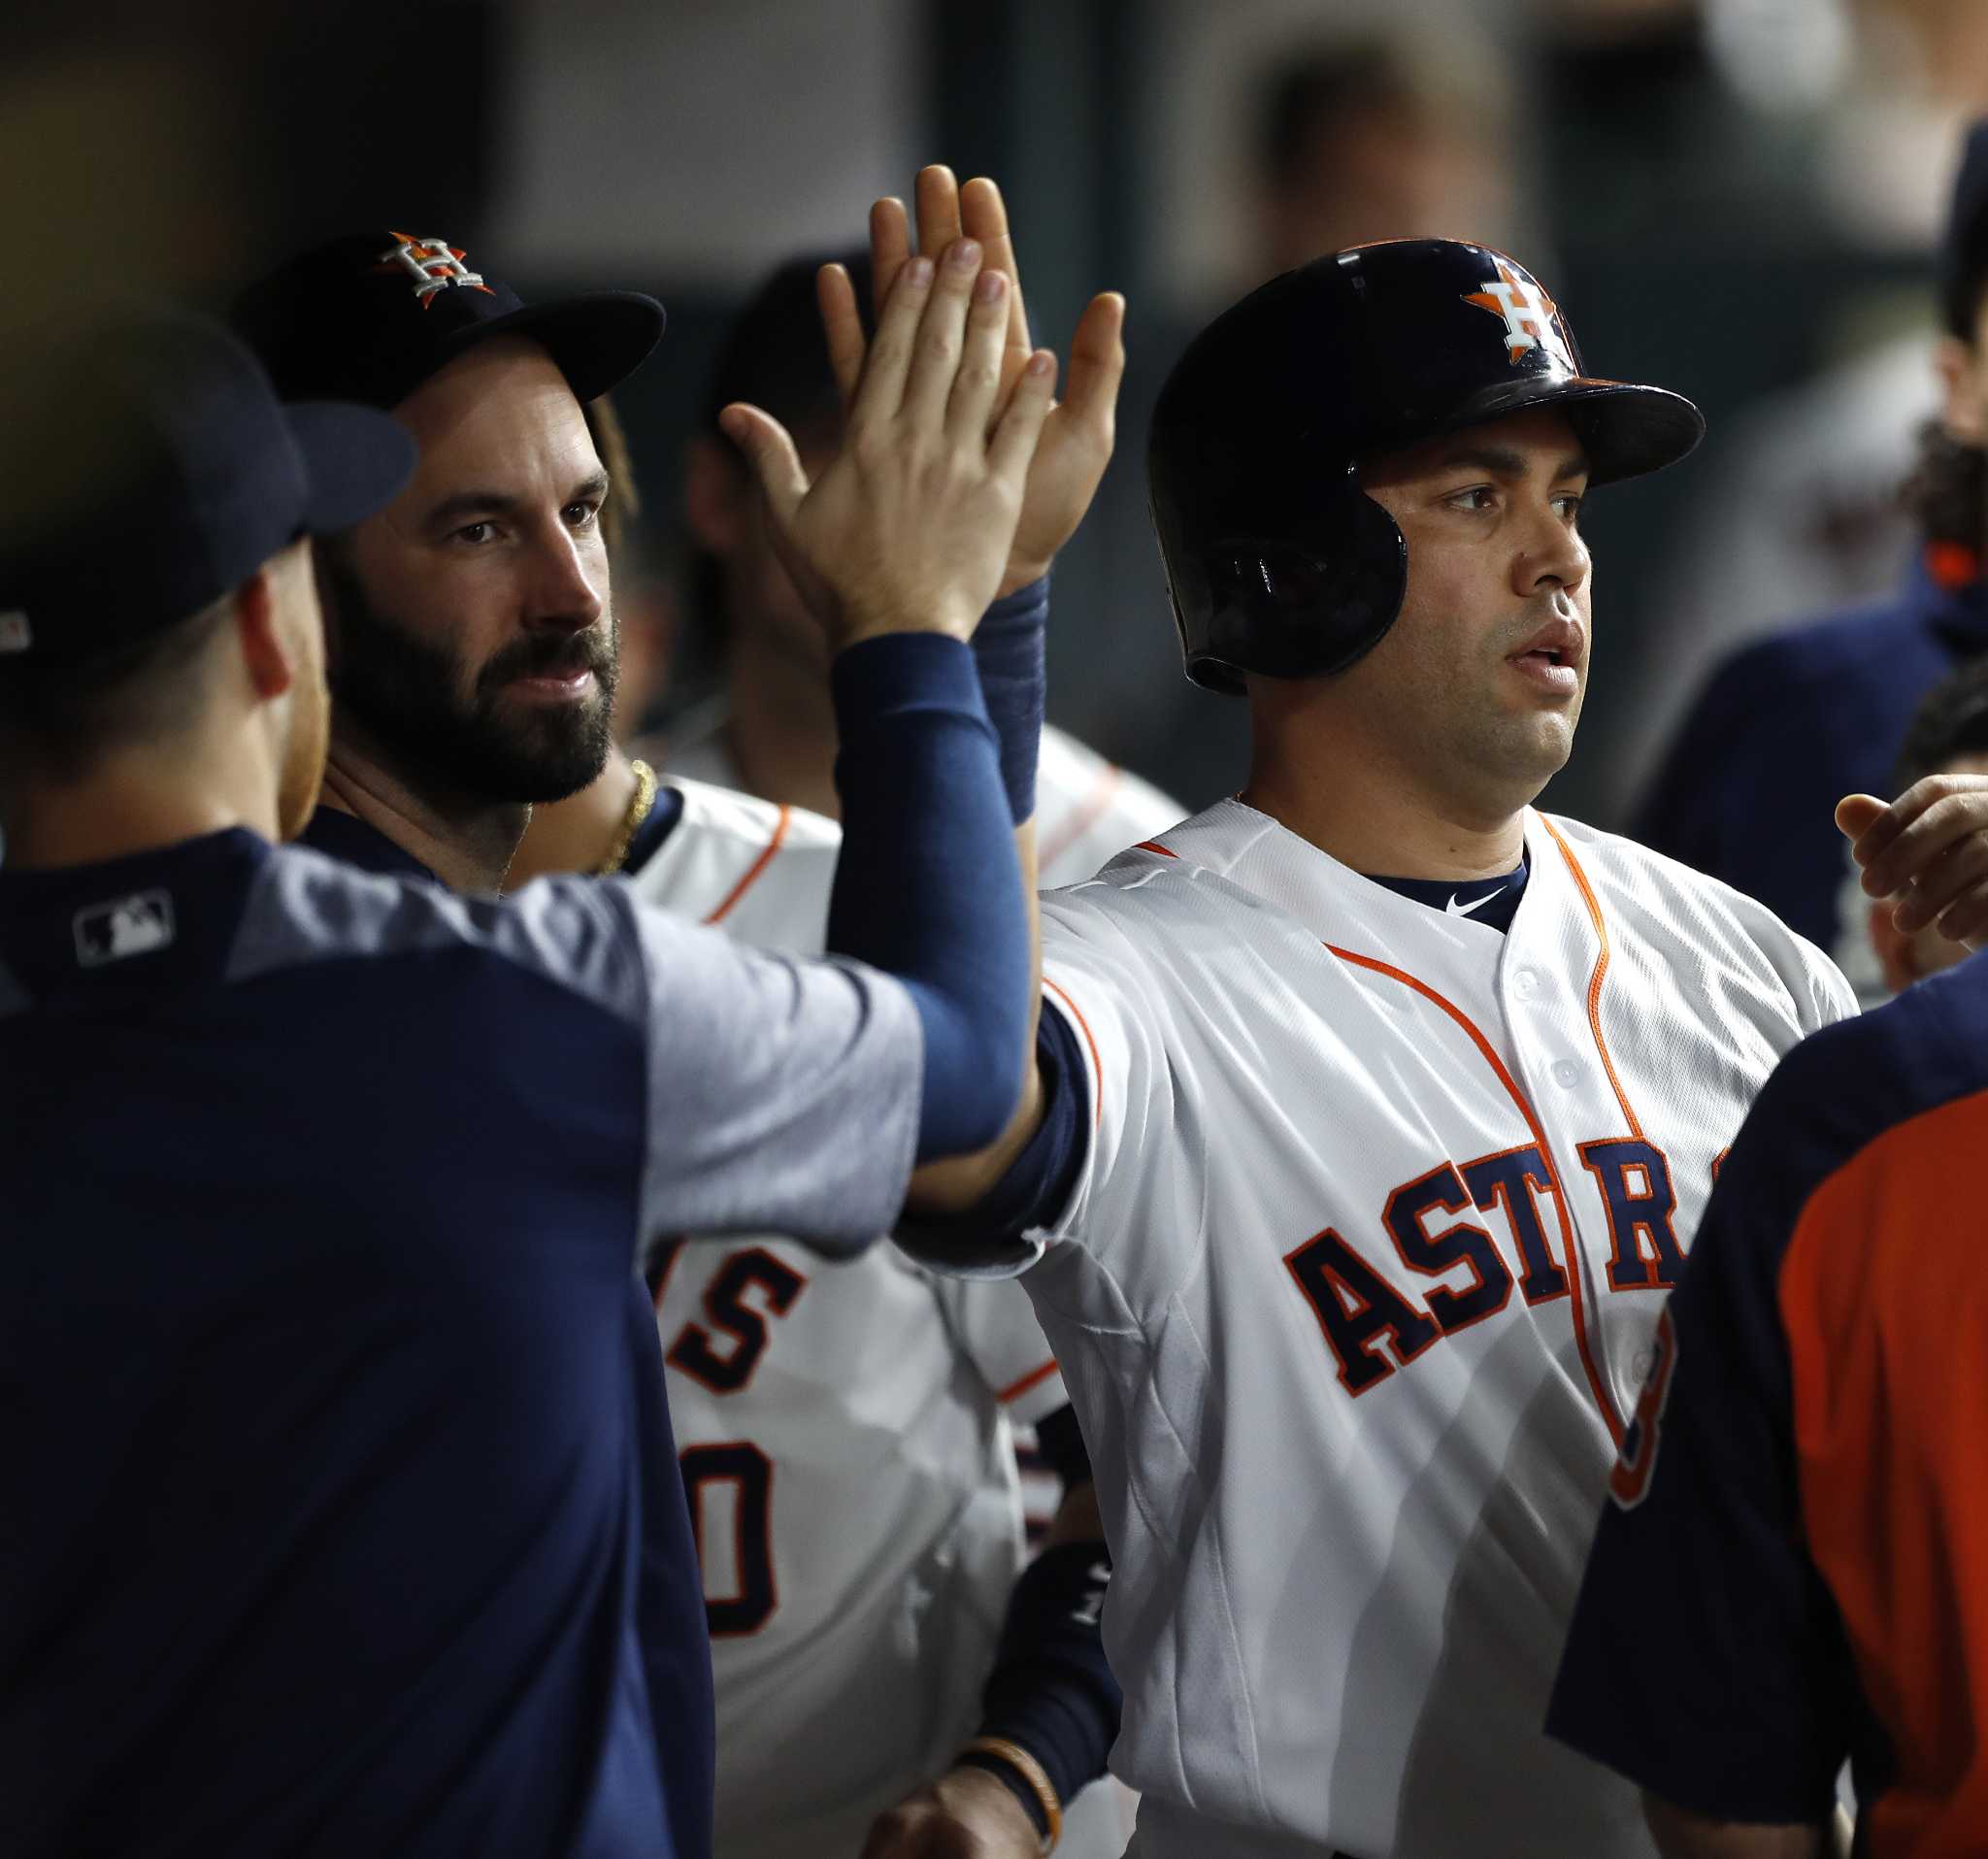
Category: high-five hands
[1927,852]
[911,524]
[1076,439]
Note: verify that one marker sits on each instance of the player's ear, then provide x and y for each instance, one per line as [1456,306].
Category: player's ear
[716,486]
[1897,952]
[1963,390]
[266,620]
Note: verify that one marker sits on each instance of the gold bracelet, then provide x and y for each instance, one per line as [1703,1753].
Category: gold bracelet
[1031,1772]
[639,804]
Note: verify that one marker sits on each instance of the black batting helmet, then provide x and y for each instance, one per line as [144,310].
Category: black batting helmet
[1275,560]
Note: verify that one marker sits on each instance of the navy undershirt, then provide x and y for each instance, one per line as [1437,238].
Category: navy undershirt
[647,839]
[1492,901]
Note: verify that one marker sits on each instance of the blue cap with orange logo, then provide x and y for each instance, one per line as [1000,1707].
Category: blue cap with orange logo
[370,316]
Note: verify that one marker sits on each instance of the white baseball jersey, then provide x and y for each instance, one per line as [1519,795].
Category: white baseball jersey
[1354,1295]
[1087,808]
[844,1434]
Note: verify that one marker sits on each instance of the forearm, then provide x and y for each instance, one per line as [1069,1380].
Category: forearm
[1051,1694]
[1010,659]
[929,887]
[1682,1835]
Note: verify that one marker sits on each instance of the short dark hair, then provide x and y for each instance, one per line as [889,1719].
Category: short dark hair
[623,507]
[1951,721]
[1948,491]
[1399,72]
[61,723]
[774,354]
[1364,75]
[1963,245]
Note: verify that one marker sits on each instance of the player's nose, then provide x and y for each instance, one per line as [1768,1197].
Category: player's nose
[566,579]
[1550,553]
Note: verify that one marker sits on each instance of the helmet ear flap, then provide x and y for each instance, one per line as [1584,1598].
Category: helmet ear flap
[1303,607]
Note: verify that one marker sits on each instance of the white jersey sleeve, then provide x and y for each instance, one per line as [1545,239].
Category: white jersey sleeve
[1354,1297]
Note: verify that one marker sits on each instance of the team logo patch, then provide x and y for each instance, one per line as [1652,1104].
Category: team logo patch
[15,634]
[133,925]
[1530,318]
[431,265]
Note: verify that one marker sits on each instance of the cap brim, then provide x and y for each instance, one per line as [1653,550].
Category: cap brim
[598,340]
[357,461]
[1628,430]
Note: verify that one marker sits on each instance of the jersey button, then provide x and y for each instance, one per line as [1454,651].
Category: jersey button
[1526,984]
[1566,1073]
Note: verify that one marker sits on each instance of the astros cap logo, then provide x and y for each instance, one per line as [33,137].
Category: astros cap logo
[434,264]
[1531,318]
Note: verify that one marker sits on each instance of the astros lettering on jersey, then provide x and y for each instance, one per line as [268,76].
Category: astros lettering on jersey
[1353,1294]
[843,1431]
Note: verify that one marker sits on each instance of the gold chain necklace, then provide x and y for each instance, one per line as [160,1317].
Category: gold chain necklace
[639,804]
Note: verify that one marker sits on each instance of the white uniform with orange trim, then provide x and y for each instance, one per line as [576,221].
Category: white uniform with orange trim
[1087,808]
[1357,1282]
[843,1429]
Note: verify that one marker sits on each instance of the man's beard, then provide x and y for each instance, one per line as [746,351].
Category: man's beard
[408,694]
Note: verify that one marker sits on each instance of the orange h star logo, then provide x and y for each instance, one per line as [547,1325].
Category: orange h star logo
[434,264]
[1531,320]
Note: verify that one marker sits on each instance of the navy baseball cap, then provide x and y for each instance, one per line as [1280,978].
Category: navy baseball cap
[370,316]
[1963,252]
[150,468]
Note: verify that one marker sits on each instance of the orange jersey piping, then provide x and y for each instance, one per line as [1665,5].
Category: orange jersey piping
[1587,897]
[759,866]
[1034,1378]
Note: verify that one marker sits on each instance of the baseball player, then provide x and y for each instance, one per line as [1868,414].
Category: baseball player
[1797,1509]
[845,1429]
[1374,1110]
[491,574]
[332,1396]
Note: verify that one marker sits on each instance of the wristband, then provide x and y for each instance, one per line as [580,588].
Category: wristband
[1011,1763]
[1011,652]
[1051,1692]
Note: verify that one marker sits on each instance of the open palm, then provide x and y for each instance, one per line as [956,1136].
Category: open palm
[1076,443]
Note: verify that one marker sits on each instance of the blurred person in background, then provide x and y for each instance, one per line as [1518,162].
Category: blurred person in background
[1386,133]
[1784,727]
[769,730]
[855,1422]
[1948,735]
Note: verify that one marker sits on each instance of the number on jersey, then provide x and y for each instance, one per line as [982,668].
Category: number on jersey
[732,1483]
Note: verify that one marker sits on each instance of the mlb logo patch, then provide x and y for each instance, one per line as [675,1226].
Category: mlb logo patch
[15,634]
[134,925]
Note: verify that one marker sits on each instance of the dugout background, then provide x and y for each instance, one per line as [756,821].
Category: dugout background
[1734,198]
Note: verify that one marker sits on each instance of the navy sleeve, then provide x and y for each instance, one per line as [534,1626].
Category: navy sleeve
[928,888]
[1706,1660]
[990,1236]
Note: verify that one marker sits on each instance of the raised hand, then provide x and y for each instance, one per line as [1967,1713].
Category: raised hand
[1927,852]
[1077,437]
[911,524]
